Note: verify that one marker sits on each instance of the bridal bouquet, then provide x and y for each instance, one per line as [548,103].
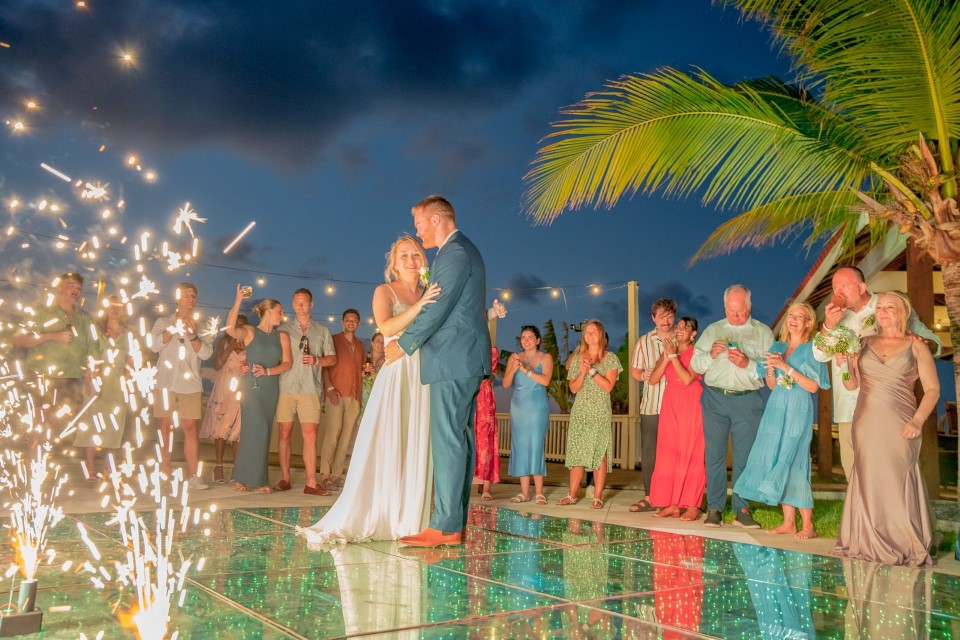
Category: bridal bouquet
[839,340]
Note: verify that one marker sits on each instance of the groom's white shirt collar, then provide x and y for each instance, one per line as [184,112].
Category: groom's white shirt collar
[446,240]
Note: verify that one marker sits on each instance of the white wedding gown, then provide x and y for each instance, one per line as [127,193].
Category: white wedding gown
[390,481]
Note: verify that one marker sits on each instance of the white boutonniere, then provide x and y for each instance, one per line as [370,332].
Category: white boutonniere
[424,276]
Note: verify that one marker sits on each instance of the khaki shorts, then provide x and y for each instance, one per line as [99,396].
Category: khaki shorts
[304,405]
[187,405]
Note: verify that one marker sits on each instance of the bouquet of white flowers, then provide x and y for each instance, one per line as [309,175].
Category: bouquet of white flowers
[839,340]
[424,276]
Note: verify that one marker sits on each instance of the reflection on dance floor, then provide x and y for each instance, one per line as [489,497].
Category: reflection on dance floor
[519,575]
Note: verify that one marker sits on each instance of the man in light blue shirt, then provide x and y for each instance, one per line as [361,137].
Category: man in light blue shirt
[727,354]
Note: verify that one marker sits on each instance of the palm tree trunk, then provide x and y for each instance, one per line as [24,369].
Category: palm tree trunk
[951,290]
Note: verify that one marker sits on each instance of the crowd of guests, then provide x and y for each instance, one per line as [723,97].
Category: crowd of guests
[700,396]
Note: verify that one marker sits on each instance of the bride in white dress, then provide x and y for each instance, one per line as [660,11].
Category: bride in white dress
[390,482]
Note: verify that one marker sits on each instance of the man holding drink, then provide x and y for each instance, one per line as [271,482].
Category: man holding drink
[300,390]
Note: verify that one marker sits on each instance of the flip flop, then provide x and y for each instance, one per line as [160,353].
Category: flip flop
[642,506]
[568,500]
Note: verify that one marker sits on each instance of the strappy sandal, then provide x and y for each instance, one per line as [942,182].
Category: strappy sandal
[218,474]
[486,496]
[567,500]
[692,514]
[519,498]
[541,499]
[642,506]
[596,503]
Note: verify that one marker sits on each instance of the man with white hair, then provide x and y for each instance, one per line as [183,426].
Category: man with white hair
[727,354]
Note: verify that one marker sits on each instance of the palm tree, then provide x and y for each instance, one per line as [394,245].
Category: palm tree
[866,132]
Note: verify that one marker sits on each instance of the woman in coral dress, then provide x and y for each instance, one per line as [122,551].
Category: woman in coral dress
[680,475]
[487,470]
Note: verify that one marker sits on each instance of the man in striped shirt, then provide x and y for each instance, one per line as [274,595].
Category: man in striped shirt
[648,351]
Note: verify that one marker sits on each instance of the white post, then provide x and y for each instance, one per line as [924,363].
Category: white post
[633,333]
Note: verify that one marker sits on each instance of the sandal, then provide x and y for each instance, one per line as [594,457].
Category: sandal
[596,503]
[692,514]
[541,499]
[642,506]
[519,498]
[218,474]
[668,512]
[567,499]
[486,497]
[239,486]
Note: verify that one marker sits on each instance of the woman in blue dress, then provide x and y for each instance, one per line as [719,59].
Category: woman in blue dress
[268,355]
[529,371]
[778,469]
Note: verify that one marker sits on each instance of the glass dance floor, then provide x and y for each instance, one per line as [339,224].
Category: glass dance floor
[519,575]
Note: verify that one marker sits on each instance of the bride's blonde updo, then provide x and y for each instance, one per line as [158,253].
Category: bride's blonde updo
[390,273]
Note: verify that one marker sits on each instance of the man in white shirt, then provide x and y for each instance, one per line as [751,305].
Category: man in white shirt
[854,307]
[726,354]
[179,386]
[646,354]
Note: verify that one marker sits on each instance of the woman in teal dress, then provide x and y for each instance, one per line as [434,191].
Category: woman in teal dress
[268,355]
[778,469]
[529,372]
[592,372]
[107,415]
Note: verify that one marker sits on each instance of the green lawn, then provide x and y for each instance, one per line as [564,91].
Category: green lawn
[826,520]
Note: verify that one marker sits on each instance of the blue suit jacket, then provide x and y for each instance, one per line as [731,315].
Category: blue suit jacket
[452,332]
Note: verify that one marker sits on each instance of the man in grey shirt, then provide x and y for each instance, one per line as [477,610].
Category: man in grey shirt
[300,390]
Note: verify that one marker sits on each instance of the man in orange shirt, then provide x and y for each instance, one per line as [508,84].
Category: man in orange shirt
[342,387]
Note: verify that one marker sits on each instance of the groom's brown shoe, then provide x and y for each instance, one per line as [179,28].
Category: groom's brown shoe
[432,538]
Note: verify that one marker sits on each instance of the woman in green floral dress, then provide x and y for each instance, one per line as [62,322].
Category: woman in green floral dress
[592,372]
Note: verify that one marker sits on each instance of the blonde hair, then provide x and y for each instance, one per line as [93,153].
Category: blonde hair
[265,305]
[114,300]
[811,316]
[903,302]
[582,347]
[389,273]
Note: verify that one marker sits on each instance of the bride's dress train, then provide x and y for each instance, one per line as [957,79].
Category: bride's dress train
[390,481]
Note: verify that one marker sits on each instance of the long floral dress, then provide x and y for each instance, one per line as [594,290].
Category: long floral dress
[485,430]
[221,421]
[589,437]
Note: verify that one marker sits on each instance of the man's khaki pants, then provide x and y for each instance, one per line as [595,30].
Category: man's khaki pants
[340,422]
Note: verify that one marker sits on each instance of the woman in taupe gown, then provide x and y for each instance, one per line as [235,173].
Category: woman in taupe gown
[886,516]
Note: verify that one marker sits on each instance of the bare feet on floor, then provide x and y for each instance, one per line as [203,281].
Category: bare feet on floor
[806,534]
[784,528]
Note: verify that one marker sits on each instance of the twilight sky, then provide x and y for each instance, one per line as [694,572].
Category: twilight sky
[324,122]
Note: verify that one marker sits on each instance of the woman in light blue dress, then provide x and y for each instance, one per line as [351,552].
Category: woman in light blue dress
[529,372]
[268,355]
[778,469]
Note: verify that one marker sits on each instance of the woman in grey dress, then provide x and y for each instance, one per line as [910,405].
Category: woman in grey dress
[268,355]
[886,516]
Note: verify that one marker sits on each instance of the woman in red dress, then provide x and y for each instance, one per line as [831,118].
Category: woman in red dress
[487,470]
[680,475]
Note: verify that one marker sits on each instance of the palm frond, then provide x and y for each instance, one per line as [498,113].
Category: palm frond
[812,215]
[738,147]
[891,65]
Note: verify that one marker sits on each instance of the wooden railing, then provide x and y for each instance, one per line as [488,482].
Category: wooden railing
[555,446]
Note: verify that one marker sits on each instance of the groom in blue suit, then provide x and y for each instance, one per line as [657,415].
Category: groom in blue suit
[454,357]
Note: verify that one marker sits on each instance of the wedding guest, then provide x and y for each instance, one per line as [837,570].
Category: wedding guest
[646,355]
[778,469]
[371,368]
[486,470]
[179,385]
[342,384]
[268,355]
[592,372]
[680,476]
[854,307]
[886,515]
[60,343]
[221,421]
[300,391]
[727,354]
[529,372]
[108,413]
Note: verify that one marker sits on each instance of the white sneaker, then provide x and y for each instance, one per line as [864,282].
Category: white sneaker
[197,484]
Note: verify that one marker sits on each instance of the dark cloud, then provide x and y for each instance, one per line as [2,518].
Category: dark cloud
[688,302]
[526,287]
[243,253]
[314,267]
[275,81]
